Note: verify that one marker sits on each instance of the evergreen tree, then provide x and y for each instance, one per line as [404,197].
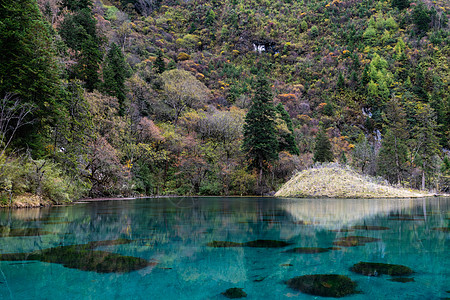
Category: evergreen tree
[286,140]
[393,154]
[365,79]
[79,32]
[341,81]
[88,64]
[28,67]
[425,143]
[322,148]
[75,5]
[115,74]
[392,158]
[400,4]
[260,142]
[422,17]
[159,64]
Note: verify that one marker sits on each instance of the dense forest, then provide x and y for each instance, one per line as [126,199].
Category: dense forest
[221,97]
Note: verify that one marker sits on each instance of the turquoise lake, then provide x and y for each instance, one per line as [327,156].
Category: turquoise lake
[162,248]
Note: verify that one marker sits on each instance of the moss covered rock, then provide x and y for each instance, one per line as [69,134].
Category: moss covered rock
[234,293]
[402,279]
[84,257]
[325,285]
[252,244]
[267,244]
[223,244]
[365,227]
[376,269]
[307,250]
[352,241]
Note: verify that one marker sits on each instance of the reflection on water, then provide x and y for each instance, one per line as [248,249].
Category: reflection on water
[198,248]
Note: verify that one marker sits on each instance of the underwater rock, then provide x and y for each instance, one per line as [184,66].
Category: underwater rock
[402,279]
[266,244]
[233,293]
[365,227]
[334,248]
[307,250]
[341,230]
[252,244]
[352,241]
[259,279]
[325,285]
[83,257]
[96,244]
[398,217]
[223,244]
[443,229]
[375,269]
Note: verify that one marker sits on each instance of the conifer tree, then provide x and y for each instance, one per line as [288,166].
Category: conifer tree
[159,64]
[322,148]
[28,67]
[392,158]
[115,74]
[78,30]
[425,143]
[286,140]
[400,4]
[260,143]
[393,154]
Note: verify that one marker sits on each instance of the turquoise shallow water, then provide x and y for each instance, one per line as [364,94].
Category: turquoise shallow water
[173,233]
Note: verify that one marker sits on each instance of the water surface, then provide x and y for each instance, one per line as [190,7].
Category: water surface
[175,234]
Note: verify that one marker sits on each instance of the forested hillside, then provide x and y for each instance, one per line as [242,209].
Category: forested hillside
[222,97]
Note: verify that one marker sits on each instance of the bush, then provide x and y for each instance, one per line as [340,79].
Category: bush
[24,175]
[183,56]
[314,31]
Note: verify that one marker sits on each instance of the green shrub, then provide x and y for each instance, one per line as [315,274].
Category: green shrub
[314,31]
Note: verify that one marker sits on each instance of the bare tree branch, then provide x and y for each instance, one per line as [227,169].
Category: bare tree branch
[13,115]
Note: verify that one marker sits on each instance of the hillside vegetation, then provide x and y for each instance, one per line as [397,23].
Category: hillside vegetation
[162,97]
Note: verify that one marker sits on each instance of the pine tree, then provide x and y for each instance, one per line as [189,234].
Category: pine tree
[115,74]
[341,81]
[392,158]
[28,66]
[286,140]
[400,4]
[322,148]
[79,32]
[260,143]
[159,64]
[393,154]
[425,143]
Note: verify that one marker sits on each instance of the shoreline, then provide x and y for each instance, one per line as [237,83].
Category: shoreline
[88,200]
